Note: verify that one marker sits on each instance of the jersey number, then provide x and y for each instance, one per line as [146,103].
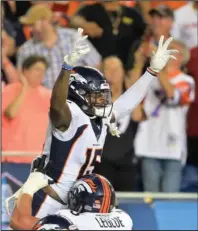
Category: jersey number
[92,156]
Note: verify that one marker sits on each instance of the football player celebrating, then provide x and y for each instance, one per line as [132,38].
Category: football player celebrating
[91,206]
[81,111]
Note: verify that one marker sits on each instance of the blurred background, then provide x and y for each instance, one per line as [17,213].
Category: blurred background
[154,165]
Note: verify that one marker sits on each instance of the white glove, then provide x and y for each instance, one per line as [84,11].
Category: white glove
[10,201]
[113,129]
[78,50]
[35,182]
[162,56]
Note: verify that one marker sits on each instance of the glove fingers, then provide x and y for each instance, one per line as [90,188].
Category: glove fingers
[36,163]
[172,51]
[79,41]
[83,51]
[83,38]
[172,57]
[166,44]
[161,41]
[42,162]
[81,47]
[80,31]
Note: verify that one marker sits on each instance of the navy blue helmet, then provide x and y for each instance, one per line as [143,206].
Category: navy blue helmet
[54,222]
[92,193]
[89,89]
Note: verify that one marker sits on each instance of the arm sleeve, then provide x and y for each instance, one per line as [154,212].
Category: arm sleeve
[133,96]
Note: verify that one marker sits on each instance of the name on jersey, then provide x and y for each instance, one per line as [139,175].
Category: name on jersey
[106,222]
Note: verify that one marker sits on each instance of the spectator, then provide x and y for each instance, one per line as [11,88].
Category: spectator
[185,29]
[7,36]
[51,42]
[161,139]
[117,162]
[25,108]
[13,9]
[111,27]
[162,19]
[59,11]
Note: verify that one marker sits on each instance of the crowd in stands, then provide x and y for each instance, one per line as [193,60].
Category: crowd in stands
[158,149]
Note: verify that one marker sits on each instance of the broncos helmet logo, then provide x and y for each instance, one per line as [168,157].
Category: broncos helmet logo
[85,185]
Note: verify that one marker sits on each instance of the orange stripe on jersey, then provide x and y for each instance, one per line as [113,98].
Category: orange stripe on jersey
[185,89]
[66,161]
[107,196]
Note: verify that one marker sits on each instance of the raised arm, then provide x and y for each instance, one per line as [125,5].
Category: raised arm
[60,114]
[134,95]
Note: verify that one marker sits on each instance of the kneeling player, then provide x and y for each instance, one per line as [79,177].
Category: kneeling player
[91,203]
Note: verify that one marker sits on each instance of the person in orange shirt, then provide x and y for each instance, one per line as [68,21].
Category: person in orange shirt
[25,106]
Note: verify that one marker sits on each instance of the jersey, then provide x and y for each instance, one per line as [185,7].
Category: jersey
[75,151]
[116,220]
[166,121]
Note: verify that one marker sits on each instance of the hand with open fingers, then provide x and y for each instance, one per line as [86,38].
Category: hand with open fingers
[78,50]
[162,55]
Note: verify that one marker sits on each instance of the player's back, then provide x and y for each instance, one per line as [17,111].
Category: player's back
[75,151]
[116,220]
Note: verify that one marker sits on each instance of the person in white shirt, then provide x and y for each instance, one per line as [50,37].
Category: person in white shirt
[91,206]
[161,139]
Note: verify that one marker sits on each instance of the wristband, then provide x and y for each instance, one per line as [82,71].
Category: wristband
[152,72]
[67,67]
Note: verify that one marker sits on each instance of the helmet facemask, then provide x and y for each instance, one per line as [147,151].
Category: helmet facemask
[99,102]
[93,96]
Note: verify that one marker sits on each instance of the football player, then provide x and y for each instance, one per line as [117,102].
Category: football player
[91,206]
[81,111]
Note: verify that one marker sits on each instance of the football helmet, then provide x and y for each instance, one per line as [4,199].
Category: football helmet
[92,193]
[89,89]
[54,222]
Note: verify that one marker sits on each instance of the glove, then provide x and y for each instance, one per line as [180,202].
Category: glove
[10,201]
[37,171]
[38,178]
[35,182]
[113,129]
[78,49]
[162,56]
[38,165]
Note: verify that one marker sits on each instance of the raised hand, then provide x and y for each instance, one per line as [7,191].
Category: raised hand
[78,50]
[162,55]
